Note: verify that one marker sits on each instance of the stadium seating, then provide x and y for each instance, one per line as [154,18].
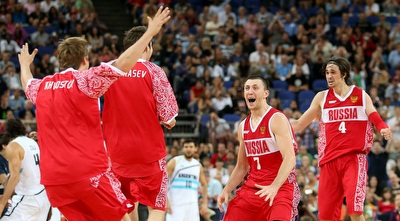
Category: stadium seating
[319,85]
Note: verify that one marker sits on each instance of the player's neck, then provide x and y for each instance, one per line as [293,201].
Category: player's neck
[342,89]
[258,113]
[188,159]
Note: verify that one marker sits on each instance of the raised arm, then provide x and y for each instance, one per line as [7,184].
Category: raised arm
[25,60]
[128,59]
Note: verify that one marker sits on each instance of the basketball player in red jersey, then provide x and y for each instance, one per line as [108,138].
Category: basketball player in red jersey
[135,139]
[267,157]
[74,164]
[346,135]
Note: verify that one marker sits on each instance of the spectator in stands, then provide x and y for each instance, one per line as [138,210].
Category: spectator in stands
[4,107]
[390,6]
[9,45]
[95,39]
[45,67]
[40,38]
[219,172]
[45,5]
[393,87]
[20,36]
[358,75]
[395,213]
[301,62]
[205,16]
[19,15]
[195,93]
[258,56]
[94,21]
[225,14]
[252,27]
[204,103]
[29,6]
[290,26]
[241,18]
[220,153]
[80,4]
[12,79]
[5,62]
[371,8]
[37,16]
[222,103]
[394,56]
[16,102]
[28,109]
[182,36]
[214,189]
[218,131]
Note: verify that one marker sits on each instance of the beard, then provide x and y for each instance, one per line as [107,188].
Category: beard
[188,155]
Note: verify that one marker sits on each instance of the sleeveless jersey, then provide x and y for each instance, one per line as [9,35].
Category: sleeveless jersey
[29,182]
[262,151]
[184,181]
[133,108]
[344,126]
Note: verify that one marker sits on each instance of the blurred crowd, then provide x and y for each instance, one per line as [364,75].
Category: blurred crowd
[209,47]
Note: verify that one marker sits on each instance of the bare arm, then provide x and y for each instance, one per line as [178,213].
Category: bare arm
[134,52]
[238,173]
[308,116]
[3,179]
[25,60]
[204,194]
[14,157]
[284,138]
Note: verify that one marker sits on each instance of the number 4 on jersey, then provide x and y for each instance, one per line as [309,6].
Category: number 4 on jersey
[342,127]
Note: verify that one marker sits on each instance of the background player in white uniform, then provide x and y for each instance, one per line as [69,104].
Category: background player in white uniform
[184,173]
[30,201]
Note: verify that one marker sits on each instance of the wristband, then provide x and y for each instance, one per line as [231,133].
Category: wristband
[377,121]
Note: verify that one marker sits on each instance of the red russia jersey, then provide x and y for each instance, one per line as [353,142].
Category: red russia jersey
[344,127]
[262,151]
[133,109]
[68,120]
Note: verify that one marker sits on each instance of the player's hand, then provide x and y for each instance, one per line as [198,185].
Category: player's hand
[269,192]
[169,125]
[25,59]
[222,198]
[155,23]
[386,133]
[204,209]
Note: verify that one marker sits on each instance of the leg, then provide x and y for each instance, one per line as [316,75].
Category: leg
[156,215]
[330,193]
[134,215]
[126,218]
[354,184]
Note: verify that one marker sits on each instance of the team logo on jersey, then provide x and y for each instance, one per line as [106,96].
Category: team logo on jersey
[262,129]
[246,132]
[353,99]
[332,102]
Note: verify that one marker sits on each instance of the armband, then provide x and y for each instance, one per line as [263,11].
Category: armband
[377,121]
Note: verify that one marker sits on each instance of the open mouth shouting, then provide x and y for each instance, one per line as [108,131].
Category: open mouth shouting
[251,100]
